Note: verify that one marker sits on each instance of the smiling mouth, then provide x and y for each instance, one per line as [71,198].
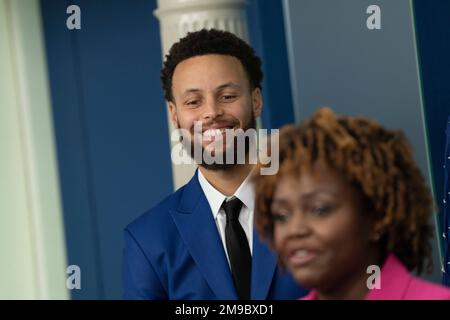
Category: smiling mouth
[301,257]
[211,134]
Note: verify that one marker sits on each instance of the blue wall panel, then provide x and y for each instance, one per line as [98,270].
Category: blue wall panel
[267,36]
[111,129]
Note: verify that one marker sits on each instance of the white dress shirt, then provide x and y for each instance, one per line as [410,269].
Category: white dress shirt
[215,198]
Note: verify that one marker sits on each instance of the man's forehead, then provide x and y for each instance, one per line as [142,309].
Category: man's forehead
[217,66]
[210,58]
[228,85]
[209,72]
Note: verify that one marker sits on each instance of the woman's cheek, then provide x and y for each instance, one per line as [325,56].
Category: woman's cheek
[278,239]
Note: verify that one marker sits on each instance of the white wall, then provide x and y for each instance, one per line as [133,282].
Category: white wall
[32,246]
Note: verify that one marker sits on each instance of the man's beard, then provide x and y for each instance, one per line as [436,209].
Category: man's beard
[222,165]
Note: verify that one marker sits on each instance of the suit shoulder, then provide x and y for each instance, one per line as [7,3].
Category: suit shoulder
[425,290]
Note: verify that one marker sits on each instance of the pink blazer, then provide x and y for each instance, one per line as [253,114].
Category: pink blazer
[398,284]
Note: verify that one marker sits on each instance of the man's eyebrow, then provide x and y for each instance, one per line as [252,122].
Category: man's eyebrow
[228,85]
[221,87]
[187,91]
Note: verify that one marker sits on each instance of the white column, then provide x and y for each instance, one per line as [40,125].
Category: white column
[32,245]
[177,18]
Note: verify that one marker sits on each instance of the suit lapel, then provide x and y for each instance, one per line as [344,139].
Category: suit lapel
[198,229]
[263,267]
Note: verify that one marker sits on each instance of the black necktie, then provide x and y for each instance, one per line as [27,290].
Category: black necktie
[238,249]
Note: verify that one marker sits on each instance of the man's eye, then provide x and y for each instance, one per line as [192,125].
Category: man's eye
[228,98]
[321,211]
[192,103]
[280,217]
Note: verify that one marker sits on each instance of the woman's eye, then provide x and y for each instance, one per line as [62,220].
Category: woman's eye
[279,217]
[321,210]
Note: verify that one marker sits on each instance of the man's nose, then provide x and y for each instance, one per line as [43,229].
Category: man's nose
[213,109]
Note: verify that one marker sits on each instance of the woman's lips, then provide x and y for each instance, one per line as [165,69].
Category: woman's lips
[301,257]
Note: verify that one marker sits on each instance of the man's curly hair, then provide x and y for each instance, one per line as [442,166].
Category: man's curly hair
[211,42]
[377,161]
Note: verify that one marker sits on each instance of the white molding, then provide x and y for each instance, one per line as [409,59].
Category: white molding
[34,211]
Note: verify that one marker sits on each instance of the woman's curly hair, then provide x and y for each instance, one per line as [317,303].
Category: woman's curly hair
[379,162]
[211,42]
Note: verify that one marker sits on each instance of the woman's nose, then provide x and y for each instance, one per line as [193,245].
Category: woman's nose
[298,225]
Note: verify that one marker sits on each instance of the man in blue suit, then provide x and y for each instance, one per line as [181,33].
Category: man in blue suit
[200,243]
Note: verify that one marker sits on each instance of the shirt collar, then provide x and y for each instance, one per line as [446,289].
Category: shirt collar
[245,193]
[215,198]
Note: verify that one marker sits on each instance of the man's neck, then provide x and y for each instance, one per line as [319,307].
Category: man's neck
[227,181]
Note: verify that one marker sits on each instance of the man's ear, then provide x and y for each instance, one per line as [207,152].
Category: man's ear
[173,114]
[257,102]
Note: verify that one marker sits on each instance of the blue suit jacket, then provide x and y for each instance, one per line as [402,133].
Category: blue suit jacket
[174,251]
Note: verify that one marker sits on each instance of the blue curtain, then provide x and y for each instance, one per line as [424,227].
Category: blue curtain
[446,226]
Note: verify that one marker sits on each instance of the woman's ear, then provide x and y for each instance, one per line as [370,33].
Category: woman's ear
[257,102]
[376,231]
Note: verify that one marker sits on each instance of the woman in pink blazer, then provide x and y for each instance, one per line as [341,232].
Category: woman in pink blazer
[348,211]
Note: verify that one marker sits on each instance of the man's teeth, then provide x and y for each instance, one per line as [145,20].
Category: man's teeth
[214,132]
[301,253]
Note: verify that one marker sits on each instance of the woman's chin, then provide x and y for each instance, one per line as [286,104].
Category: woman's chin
[307,278]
